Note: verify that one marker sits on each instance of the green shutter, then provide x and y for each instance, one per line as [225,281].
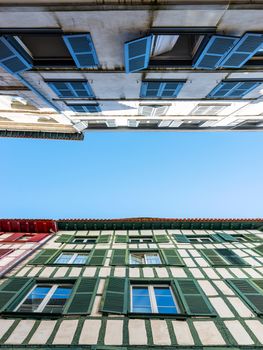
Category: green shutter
[161,239]
[226,237]
[181,239]
[121,239]
[63,239]
[83,296]
[103,239]
[213,258]
[119,257]
[115,297]
[43,257]
[12,289]
[193,298]
[252,237]
[249,293]
[172,257]
[231,257]
[259,283]
[97,257]
[217,238]
[259,249]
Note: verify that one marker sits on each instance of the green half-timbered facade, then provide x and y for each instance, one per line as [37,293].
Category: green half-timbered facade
[138,284]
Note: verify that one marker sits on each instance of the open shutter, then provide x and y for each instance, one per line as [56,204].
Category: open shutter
[121,239]
[82,296]
[217,238]
[12,288]
[246,47]
[231,257]
[161,239]
[227,237]
[213,258]
[193,298]
[119,257]
[103,239]
[137,54]
[215,50]
[14,237]
[181,239]
[259,249]
[252,237]
[63,239]
[172,257]
[97,257]
[4,252]
[115,297]
[82,50]
[38,237]
[249,293]
[11,59]
[43,257]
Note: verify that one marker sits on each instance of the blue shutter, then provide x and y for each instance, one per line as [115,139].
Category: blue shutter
[233,89]
[216,49]
[68,89]
[161,88]
[88,108]
[137,54]
[12,60]
[246,47]
[82,50]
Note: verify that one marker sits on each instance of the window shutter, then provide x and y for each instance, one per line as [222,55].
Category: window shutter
[14,237]
[121,239]
[227,237]
[43,257]
[217,238]
[259,249]
[4,252]
[11,59]
[97,257]
[259,283]
[115,297]
[249,293]
[72,89]
[161,239]
[63,239]
[233,89]
[83,296]
[11,289]
[252,237]
[216,49]
[181,239]
[172,257]
[38,237]
[119,257]
[193,298]
[82,50]
[103,239]
[137,54]
[213,258]
[231,256]
[246,47]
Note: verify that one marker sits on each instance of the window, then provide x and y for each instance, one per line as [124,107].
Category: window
[72,258]
[208,109]
[4,252]
[71,89]
[85,108]
[153,111]
[233,89]
[140,239]
[252,123]
[166,89]
[48,298]
[204,239]
[137,258]
[223,257]
[80,240]
[153,299]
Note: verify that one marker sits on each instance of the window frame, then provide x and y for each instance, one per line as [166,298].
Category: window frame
[72,259]
[144,253]
[140,238]
[162,85]
[199,237]
[74,238]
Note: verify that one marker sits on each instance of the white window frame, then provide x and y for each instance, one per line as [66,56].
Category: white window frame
[85,240]
[200,239]
[140,239]
[72,259]
[47,298]
[145,257]
[154,306]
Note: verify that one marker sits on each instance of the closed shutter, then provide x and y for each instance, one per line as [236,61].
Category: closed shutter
[4,252]
[161,239]
[227,237]
[259,283]
[11,289]
[172,257]
[259,249]
[38,237]
[215,50]
[98,257]
[213,258]
[63,239]
[194,300]
[119,257]
[115,297]
[121,239]
[252,237]
[249,293]
[103,239]
[43,257]
[231,257]
[181,239]
[137,54]
[82,50]
[83,296]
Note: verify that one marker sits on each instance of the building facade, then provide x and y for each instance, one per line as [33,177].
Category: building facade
[156,65]
[138,284]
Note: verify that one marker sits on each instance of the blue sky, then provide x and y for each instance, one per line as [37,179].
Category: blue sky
[128,174]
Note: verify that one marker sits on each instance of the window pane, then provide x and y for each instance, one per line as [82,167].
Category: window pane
[64,258]
[58,299]
[141,300]
[136,259]
[80,259]
[153,259]
[134,240]
[34,299]
[164,300]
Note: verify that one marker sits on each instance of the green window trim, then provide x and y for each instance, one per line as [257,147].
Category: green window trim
[259,249]
[116,295]
[213,257]
[43,257]
[227,237]
[223,257]
[172,257]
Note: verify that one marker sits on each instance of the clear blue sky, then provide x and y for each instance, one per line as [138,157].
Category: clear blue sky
[127,174]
